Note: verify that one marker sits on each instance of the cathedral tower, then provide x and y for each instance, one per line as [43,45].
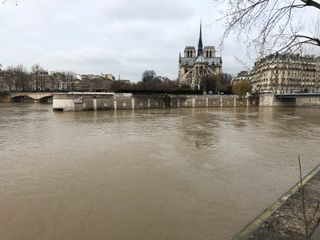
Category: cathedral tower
[194,66]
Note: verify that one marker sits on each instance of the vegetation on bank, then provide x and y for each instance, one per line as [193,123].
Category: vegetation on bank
[19,79]
[241,88]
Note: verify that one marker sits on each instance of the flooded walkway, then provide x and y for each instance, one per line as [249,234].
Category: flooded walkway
[294,216]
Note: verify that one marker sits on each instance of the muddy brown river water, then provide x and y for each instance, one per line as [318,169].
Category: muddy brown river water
[149,174]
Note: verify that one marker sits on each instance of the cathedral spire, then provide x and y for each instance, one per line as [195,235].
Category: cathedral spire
[200,50]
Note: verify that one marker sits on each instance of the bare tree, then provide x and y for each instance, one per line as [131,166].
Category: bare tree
[148,76]
[310,214]
[274,25]
[16,2]
[210,83]
[9,79]
[39,76]
[17,78]
[1,79]
[21,78]
[70,78]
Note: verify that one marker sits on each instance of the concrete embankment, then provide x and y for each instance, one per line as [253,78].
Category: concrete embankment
[291,215]
[111,101]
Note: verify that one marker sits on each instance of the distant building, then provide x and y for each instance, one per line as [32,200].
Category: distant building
[83,85]
[194,65]
[242,76]
[93,82]
[108,76]
[91,76]
[286,73]
[78,76]
[125,81]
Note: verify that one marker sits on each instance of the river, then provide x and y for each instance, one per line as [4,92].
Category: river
[147,174]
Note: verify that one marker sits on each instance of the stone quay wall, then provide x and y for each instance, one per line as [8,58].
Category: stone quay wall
[270,100]
[308,102]
[110,101]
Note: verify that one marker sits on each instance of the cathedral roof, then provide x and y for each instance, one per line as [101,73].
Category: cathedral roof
[201,59]
[215,61]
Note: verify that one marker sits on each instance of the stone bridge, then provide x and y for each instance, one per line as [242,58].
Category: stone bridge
[32,95]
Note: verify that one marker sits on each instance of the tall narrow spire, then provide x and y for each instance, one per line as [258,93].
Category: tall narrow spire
[200,50]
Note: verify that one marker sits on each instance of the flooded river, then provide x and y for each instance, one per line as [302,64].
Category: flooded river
[147,175]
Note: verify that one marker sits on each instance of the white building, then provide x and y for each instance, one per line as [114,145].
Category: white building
[286,73]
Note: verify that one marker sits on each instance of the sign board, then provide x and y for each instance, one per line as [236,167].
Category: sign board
[78,100]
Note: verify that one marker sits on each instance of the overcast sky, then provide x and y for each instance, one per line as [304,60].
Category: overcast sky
[122,37]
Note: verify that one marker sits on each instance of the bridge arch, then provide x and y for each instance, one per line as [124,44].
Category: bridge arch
[20,97]
[45,98]
[39,96]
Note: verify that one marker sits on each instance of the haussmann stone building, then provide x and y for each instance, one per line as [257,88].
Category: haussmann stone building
[194,65]
[286,73]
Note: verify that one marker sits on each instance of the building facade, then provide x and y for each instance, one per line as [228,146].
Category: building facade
[195,65]
[286,73]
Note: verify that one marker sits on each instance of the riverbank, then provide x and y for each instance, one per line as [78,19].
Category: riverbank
[286,218]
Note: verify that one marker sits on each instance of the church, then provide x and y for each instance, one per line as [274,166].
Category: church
[195,65]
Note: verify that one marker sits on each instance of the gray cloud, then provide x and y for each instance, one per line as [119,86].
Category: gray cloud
[151,10]
[122,37]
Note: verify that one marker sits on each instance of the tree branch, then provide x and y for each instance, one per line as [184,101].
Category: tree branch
[273,22]
[311,3]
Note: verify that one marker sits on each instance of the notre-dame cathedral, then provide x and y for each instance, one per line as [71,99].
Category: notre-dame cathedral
[193,66]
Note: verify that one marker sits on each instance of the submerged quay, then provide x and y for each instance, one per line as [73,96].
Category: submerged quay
[116,101]
[80,101]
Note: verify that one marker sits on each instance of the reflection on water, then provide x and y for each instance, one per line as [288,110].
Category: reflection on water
[147,174]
